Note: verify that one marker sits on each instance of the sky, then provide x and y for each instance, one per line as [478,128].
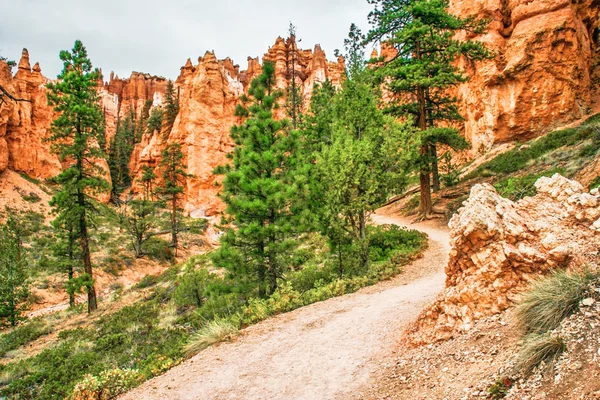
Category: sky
[158,36]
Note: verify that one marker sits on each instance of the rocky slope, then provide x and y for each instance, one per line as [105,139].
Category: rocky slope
[499,247]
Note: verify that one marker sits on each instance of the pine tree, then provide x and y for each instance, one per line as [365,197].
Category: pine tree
[119,154]
[67,257]
[424,34]
[13,273]
[147,179]
[294,95]
[77,135]
[171,107]
[173,174]
[142,123]
[155,120]
[259,190]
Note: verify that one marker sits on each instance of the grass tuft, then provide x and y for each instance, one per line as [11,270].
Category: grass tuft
[551,300]
[214,332]
[538,348]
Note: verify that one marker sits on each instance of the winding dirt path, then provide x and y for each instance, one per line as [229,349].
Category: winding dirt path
[323,351]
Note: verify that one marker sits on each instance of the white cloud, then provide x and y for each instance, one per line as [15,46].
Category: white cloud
[158,36]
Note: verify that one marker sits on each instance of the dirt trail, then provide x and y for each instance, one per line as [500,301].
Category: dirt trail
[323,351]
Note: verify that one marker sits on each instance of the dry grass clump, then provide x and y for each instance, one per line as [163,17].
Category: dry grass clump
[214,332]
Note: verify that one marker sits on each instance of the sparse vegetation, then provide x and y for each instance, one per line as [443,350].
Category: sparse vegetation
[214,332]
[538,348]
[541,311]
[22,335]
[516,188]
[551,300]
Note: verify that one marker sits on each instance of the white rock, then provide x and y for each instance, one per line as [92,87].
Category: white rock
[588,302]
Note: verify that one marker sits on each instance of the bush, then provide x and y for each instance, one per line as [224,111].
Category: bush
[517,188]
[538,348]
[147,281]
[108,385]
[22,335]
[385,240]
[595,183]
[215,332]
[499,389]
[191,289]
[551,300]
[158,249]
[516,159]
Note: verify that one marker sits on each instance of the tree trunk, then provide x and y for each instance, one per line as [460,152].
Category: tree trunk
[434,168]
[85,245]
[87,265]
[425,206]
[364,245]
[174,223]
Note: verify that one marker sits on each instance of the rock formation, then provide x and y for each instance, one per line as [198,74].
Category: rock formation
[208,95]
[122,96]
[499,247]
[24,124]
[544,73]
[540,78]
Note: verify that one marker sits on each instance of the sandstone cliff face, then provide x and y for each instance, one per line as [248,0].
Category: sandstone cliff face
[541,76]
[121,96]
[499,246]
[209,93]
[24,124]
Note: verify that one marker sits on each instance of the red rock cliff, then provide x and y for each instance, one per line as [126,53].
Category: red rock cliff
[209,93]
[541,77]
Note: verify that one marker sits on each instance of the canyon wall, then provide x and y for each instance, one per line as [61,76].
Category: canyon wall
[544,75]
[208,94]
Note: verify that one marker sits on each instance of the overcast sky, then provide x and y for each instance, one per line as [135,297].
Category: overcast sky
[158,36]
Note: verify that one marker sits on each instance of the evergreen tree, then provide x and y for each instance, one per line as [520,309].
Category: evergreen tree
[361,167]
[294,94]
[171,107]
[13,273]
[119,154]
[424,35]
[147,179]
[139,221]
[155,121]
[141,125]
[77,134]
[67,258]
[173,174]
[259,189]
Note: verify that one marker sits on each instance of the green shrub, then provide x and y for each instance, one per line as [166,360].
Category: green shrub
[595,183]
[147,281]
[384,240]
[214,332]
[516,188]
[538,348]
[516,159]
[31,197]
[158,249]
[191,288]
[550,300]
[499,389]
[309,277]
[108,385]
[22,335]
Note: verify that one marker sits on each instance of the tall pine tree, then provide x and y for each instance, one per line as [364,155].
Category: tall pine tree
[173,174]
[171,107]
[259,191]
[13,272]
[77,137]
[424,34]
